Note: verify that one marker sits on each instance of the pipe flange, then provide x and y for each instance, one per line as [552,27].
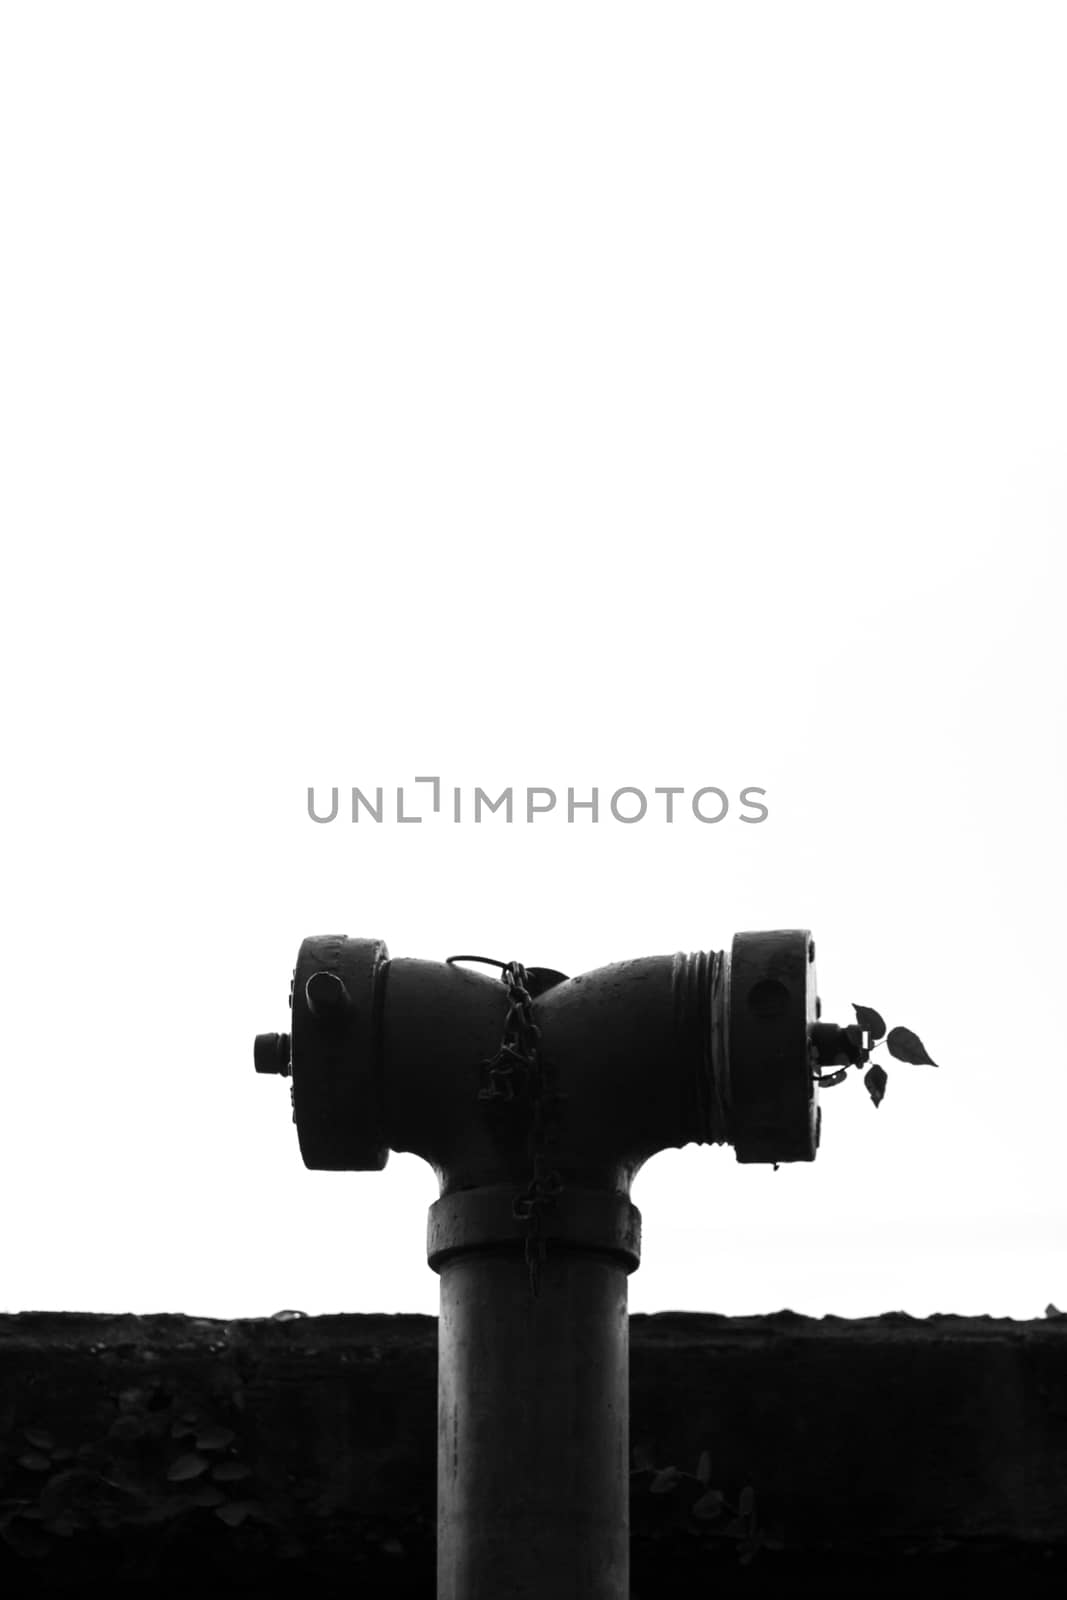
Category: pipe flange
[584,1219]
[774,1113]
[336,1098]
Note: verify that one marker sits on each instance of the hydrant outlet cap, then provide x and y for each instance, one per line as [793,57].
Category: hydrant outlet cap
[773,1096]
[335,1051]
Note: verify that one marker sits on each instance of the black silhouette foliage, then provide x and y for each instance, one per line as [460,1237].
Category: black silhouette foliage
[870,1021]
[875,1080]
[842,1048]
[907,1046]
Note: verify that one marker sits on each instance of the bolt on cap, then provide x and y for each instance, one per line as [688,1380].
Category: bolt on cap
[326,994]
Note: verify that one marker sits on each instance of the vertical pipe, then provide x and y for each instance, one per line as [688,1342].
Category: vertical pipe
[533,1428]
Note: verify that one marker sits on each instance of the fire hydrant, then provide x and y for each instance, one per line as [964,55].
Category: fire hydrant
[536,1100]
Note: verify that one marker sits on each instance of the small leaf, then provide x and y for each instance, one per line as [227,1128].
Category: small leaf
[747,1503]
[664,1481]
[230,1471]
[187,1466]
[869,1021]
[704,1468]
[876,1079]
[907,1046]
[40,1438]
[35,1461]
[709,1505]
[214,1438]
[237,1512]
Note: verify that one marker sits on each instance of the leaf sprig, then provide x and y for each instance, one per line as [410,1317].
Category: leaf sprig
[852,1047]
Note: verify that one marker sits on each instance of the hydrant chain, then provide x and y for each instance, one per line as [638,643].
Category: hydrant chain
[521,1049]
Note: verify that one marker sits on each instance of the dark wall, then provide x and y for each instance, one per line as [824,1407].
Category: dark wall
[155,1452]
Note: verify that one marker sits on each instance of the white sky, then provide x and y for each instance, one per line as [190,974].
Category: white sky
[566,394]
